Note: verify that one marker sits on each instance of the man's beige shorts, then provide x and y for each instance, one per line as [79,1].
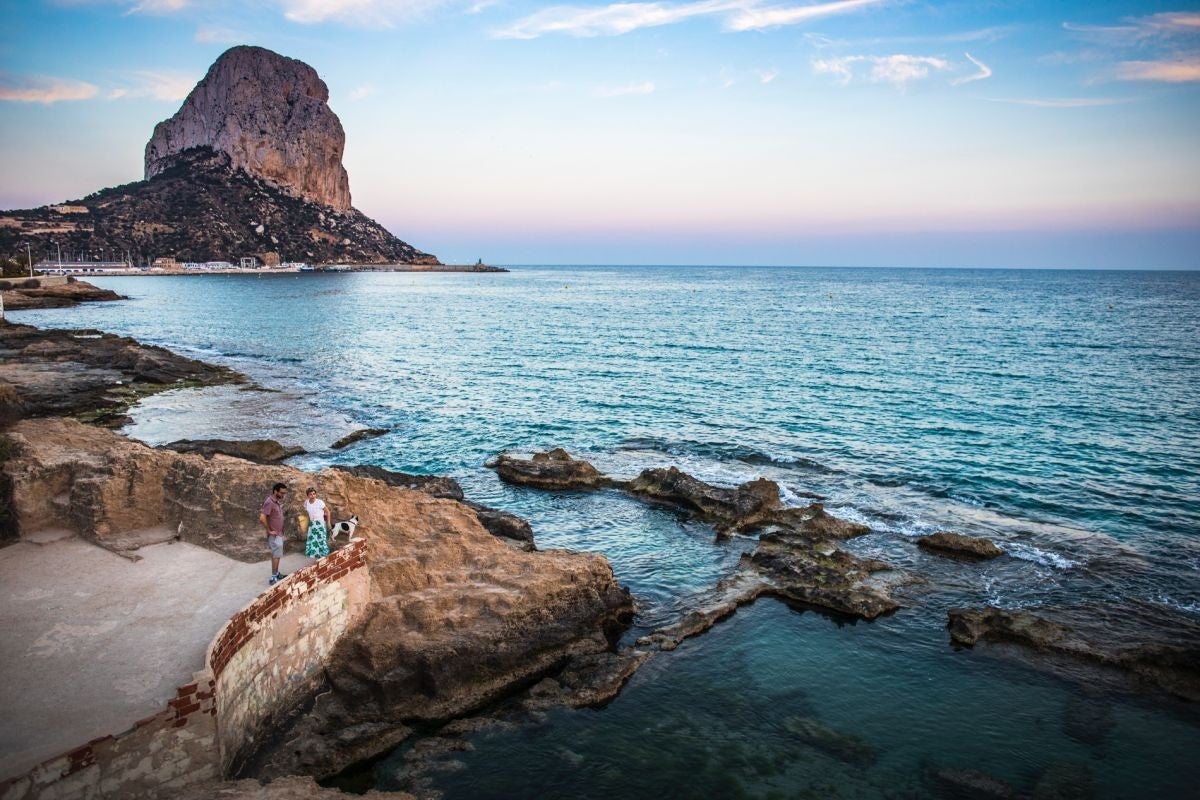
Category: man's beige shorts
[275,545]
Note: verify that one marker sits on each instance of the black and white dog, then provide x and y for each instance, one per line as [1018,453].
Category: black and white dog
[347,527]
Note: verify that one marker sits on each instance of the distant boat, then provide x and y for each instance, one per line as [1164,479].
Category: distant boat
[306,268]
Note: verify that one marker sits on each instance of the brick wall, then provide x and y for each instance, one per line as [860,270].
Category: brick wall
[270,657]
[261,665]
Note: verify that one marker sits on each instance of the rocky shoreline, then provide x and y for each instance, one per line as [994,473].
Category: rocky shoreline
[466,611]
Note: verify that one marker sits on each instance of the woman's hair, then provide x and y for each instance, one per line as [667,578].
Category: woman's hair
[311,490]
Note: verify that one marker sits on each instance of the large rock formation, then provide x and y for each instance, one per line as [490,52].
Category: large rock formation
[251,165]
[457,618]
[270,114]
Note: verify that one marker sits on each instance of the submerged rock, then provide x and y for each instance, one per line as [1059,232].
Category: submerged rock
[1172,665]
[358,436]
[1088,720]
[842,746]
[972,548]
[260,451]
[555,469]
[969,784]
[1065,780]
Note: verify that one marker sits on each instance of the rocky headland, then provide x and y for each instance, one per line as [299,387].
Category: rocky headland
[250,165]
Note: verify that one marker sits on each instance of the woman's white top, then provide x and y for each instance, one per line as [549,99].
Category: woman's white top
[315,510]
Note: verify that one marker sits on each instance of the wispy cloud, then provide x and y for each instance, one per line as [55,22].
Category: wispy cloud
[616,19]
[361,93]
[899,69]
[1161,47]
[1132,29]
[646,87]
[729,77]
[1061,102]
[211,34]
[384,13]
[1178,70]
[43,89]
[984,72]
[157,6]
[164,85]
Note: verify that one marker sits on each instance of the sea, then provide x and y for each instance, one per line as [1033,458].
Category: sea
[1055,412]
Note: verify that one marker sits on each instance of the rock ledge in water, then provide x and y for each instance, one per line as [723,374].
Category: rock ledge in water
[357,436]
[796,558]
[1172,666]
[957,545]
[555,469]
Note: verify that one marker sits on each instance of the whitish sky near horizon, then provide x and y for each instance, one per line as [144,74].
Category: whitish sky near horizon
[853,132]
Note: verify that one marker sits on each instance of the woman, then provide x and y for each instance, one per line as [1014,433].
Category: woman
[318,525]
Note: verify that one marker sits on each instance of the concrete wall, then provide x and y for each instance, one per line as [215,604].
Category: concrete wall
[259,668]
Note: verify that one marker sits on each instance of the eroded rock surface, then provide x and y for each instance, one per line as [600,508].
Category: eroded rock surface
[956,545]
[555,469]
[260,451]
[751,506]
[1171,662]
[499,523]
[270,114]
[797,558]
[93,373]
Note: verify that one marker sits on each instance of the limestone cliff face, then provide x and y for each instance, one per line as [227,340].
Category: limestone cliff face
[270,115]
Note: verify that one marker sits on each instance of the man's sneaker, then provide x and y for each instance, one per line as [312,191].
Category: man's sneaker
[274,578]
[280,576]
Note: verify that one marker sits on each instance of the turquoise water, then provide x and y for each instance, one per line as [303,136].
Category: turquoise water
[1054,412]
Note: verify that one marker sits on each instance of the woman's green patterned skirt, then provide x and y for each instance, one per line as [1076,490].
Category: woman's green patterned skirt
[318,540]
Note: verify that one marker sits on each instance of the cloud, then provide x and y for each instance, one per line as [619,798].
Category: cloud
[162,85]
[755,18]
[43,89]
[383,13]
[729,77]
[984,72]
[899,69]
[157,6]
[616,19]
[1166,24]
[361,93]
[645,87]
[1179,70]
[210,34]
[1061,102]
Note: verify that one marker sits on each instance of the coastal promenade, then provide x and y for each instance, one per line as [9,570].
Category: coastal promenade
[162,273]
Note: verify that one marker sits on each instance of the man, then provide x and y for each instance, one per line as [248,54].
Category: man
[271,518]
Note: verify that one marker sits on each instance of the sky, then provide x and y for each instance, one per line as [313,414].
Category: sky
[845,133]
